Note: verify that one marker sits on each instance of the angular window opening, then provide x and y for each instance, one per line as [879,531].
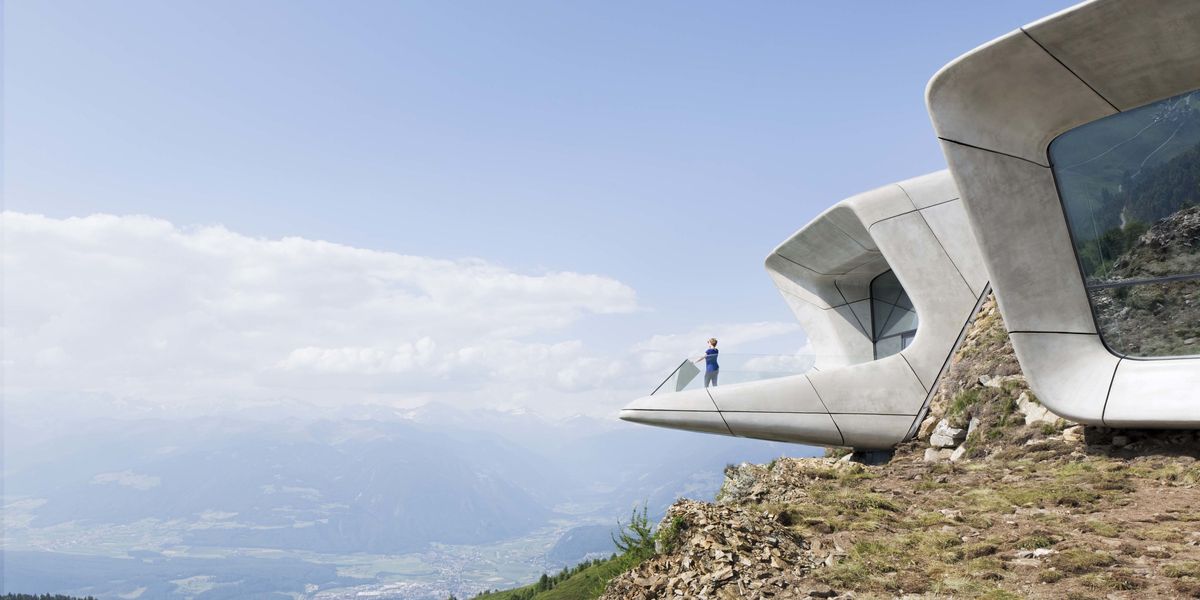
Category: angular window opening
[893,318]
[1130,188]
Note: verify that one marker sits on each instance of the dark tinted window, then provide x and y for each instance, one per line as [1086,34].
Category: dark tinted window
[1130,186]
[893,319]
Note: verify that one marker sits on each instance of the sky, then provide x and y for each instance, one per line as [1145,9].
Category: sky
[520,205]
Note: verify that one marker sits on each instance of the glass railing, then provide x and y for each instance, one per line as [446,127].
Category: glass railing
[736,368]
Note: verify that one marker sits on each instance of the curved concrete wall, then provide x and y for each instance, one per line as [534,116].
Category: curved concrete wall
[996,110]
[918,229]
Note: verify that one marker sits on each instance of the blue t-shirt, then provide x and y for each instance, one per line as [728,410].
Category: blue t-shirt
[710,360]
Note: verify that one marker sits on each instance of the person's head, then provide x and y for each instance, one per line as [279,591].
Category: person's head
[712,342]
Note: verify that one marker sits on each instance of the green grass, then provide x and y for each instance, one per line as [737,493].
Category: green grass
[590,582]
[963,401]
[587,584]
[1102,528]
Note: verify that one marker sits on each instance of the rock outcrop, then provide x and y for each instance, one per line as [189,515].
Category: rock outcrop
[720,551]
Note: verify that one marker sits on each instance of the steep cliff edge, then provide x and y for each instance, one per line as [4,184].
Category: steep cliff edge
[995,498]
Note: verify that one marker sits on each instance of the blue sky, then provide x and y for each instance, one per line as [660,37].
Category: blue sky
[667,146]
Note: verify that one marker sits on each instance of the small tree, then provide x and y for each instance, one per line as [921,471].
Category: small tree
[637,536]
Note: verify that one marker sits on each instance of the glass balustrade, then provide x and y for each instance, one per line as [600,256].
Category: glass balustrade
[736,368]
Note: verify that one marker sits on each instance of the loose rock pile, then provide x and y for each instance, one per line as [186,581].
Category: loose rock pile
[783,481]
[724,552]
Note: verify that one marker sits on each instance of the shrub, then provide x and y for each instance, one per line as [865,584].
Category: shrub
[637,536]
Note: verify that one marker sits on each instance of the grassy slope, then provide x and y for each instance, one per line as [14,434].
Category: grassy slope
[590,582]
[584,585]
[950,530]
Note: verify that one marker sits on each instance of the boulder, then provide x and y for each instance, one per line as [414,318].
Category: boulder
[972,425]
[945,436]
[1034,411]
[926,428]
[998,382]
[1073,434]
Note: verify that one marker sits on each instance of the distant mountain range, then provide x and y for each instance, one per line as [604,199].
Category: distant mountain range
[387,485]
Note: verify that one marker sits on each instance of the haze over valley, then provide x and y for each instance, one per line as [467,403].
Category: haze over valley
[415,504]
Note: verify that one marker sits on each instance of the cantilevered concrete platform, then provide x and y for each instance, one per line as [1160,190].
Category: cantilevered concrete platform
[884,284]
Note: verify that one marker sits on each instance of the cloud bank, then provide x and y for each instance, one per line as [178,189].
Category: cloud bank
[138,308]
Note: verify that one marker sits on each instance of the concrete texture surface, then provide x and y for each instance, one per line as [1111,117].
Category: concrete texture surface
[824,272]
[997,108]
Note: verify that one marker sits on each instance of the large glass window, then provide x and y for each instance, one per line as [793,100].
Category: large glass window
[1130,186]
[893,318]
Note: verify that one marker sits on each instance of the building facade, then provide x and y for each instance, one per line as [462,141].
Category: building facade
[1073,191]
[1076,143]
[884,284]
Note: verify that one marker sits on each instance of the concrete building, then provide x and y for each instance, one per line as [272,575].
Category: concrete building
[884,284]
[1076,143]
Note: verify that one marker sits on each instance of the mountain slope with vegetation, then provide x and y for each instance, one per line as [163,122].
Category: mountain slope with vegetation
[995,498]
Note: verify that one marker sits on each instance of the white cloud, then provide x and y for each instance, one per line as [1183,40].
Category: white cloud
[138,309]
[402,358]
[137,481]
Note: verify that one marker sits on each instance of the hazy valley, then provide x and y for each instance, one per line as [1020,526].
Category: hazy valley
[408,505]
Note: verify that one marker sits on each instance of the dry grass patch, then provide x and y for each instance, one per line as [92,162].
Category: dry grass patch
[1079,560]
[979,549]
[910,563]
[1182,569]
[1188,588]
[1052,495]
[858,501]
[1051,576]
[1113,580]
[1170,473]
[1159,534]
[1102,528]
[1037,539]
[988,568]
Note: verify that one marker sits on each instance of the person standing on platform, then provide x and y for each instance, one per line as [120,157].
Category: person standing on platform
[711,368]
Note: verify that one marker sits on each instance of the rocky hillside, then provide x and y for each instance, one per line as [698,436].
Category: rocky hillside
[996,498]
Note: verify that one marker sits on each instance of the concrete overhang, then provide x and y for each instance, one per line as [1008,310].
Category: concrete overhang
[918,230]
[996,110]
